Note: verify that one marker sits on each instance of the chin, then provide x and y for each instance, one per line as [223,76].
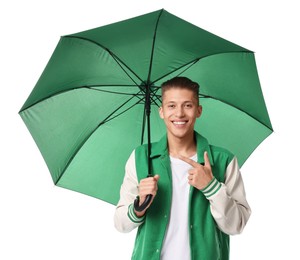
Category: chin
[181,134]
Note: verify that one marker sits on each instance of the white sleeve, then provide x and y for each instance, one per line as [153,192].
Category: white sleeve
[125,219]
[228,203]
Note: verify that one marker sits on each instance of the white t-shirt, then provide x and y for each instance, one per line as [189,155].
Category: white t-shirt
[176,244]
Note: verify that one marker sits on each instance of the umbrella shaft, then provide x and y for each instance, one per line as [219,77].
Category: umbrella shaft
[148,112]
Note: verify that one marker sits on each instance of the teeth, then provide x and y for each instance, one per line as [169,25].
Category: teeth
[179,123]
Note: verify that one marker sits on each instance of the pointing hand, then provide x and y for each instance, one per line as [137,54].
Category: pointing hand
[199,176]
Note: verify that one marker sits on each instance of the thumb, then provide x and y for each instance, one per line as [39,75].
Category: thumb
[156,177]
[206,160]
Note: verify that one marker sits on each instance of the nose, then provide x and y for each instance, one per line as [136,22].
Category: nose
[179,112]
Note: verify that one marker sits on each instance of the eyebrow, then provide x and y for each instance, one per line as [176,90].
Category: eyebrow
[184,102]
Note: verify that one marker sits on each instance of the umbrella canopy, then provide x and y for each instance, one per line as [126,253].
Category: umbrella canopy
[88,110]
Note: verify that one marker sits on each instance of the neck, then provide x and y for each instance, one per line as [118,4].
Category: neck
[182,146]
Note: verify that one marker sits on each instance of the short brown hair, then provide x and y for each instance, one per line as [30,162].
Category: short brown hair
[183,83]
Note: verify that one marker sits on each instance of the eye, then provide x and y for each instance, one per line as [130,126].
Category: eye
[188,105]
[171,105]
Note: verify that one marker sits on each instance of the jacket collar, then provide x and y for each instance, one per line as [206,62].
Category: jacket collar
[161,148]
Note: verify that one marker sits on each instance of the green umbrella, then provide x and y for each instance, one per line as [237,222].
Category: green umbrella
[91,106]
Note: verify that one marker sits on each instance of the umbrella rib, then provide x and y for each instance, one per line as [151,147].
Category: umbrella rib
[115,57]
[153,45]
[228,104]
[111,118]
[92,87]
[154,97]
[86,86]
[191,63]
[138,95]
[108,118]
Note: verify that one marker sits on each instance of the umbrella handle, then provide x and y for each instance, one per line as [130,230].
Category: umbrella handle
[144,205]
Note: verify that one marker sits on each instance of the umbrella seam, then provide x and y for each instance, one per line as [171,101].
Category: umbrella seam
[115,57]
[226,103]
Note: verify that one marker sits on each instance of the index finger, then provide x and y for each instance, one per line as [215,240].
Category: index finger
[189,161]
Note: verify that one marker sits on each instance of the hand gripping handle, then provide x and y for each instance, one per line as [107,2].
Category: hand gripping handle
[144,205]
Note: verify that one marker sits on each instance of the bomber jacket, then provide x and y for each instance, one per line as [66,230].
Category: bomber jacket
[215,212]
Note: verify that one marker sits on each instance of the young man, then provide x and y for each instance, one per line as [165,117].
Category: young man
[198,192]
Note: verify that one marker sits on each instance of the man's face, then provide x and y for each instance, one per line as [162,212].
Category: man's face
[179,110]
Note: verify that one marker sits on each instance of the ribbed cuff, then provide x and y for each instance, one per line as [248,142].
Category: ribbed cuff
[211,188]
[134,218]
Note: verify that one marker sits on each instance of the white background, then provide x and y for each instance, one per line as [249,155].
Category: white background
[41,221]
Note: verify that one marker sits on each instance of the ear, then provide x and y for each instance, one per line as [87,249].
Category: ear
[161,113]
[199,111]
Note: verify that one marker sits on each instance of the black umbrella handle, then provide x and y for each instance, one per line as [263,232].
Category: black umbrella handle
[140,208]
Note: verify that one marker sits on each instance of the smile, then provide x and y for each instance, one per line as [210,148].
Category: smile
[179,122]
